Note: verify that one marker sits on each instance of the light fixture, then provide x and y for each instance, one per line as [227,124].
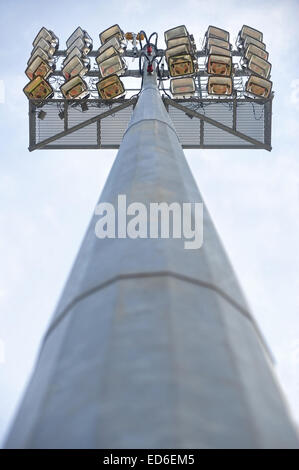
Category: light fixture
[258,86]
[113,31]
[177,32]
[45,46]
[76,36]
[248,31]
[74,52]
[46,34]
[110,87]
[38,89]
[61,115]
[81,45]
[75,66]
[177,50]
[259,66]
[219,65]
[178,41]
[41,115]
[218,33]
[106,54]
[112,42]
[113,65]
[254,50]
[218,43]
[215,50]
[75,88]
[130,36]
[220,85]
[38,52]
[182,87]
[181,65]
[39,67]
[249,40]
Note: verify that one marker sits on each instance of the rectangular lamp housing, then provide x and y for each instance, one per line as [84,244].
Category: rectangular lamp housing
[258,86]
[219,65]
[113,31]
[110,87]
[75,66]
[181,65]
[74,89]
[182,87]
[39,68]
[177,32]
[218,33]
[38,89]
[248,31]
[220,86]
[259,66]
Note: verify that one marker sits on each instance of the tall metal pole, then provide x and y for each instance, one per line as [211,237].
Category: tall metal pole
[152,345]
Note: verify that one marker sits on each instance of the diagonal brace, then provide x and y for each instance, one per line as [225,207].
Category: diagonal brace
[228,129]
[111,111]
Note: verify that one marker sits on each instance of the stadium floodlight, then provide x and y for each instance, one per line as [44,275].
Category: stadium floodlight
[113,31]
[74,89]
[259,66]
[177,32]
[177,50]
[110,87]
[219,65]
[215,50]
[79,43]
[220,85]
[112,42]
[182,87]
[248,31]
[218,33]
[113,65]
[45,46]
[46,34]
[38,52]
[218,43]
[39,67]
[179,41]
[74,52]
[249,40]
[106,54]
[258,86]
[79,33]
[76,66]
[254,50]
[38,89]
[181,65]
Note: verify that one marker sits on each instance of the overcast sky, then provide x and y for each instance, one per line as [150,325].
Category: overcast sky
[47,197]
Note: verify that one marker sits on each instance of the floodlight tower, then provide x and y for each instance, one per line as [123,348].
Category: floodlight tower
[152,345]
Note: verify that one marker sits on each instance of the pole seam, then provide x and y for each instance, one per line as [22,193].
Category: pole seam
[144,275]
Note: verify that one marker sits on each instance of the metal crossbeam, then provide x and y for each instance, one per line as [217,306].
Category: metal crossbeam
[68,131]
[225,128]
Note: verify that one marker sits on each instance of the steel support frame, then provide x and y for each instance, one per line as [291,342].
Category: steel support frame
[231,130]
[70,130]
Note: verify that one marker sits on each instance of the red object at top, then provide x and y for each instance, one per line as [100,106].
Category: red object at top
[149,50]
